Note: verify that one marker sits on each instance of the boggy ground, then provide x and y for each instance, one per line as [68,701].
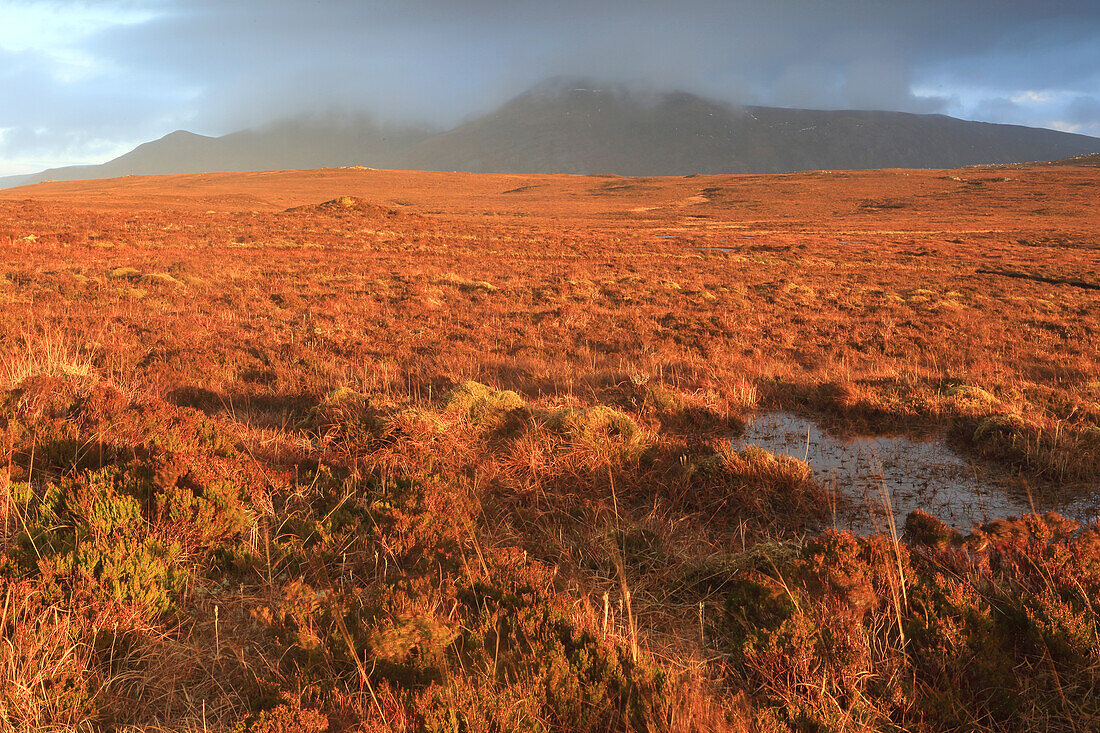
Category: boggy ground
[374,450]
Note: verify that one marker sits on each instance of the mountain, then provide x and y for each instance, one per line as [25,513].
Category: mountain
[287,145]
[576,127]
[566,128]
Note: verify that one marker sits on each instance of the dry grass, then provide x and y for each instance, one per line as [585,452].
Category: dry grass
[52,354]
[464,467]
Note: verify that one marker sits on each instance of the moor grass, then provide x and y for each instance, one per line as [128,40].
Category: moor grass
[375,450]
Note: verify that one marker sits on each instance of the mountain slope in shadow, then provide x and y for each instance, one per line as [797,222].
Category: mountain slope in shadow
[580,129]
[577,127]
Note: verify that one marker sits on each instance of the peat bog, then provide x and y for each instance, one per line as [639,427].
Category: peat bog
[349,449]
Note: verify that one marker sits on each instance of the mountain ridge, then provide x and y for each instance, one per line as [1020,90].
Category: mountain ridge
[580,127]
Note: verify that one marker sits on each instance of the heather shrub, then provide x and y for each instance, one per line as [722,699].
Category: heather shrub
[65,423]
[537,664]
[88,534]
[117,532]
[924,636]
[286,717]
[202,504]
[49,676]
[924,529]
[369,525]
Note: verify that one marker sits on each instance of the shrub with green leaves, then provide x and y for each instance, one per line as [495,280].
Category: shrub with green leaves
[88,534]
[114,533]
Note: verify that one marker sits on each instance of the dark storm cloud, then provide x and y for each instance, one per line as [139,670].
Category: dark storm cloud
[222,65]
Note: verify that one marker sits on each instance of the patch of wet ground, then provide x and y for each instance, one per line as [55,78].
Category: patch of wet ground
[908,472]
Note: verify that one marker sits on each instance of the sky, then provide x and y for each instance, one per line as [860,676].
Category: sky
[85,81]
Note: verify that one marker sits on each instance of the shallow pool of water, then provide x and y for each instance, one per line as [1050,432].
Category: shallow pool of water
[908,472]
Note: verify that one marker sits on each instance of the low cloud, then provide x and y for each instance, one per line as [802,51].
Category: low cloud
[1084,113]
[215,66]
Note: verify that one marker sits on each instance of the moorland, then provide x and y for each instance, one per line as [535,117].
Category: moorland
[354,449]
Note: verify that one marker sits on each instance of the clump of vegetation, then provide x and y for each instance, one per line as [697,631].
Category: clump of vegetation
[288,717]
[124,273]
[481,404]
[342,205]
[49,676]
[450,278]
[1063,452]
[160,278]
[110,533]
[973,395]
[347,421]
[922,528]
[597,429]
[753,482]
[86,536]
[692,412]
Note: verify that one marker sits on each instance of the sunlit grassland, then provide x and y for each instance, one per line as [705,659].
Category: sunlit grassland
[462,463]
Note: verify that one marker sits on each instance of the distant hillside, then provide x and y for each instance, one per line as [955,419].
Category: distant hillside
[1092,159]
[286,145]
[569,127]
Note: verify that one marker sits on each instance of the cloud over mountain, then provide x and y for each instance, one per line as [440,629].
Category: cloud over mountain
[132,70]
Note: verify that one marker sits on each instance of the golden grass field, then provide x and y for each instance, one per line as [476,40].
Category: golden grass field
[353,449]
